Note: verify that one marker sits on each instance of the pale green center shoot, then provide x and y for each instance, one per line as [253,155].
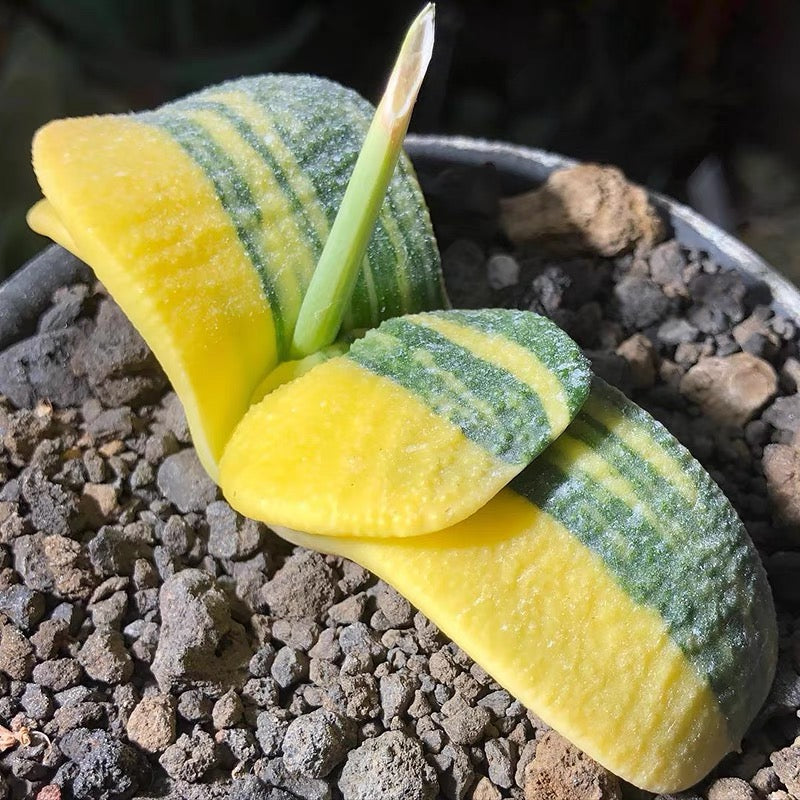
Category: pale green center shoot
[332,283]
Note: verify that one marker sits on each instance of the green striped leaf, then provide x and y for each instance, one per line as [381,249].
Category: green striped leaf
[510,380]
[283,126]
[630,492]
[418,426]
[627,605]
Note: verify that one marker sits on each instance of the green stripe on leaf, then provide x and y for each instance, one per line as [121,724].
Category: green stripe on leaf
[236,199]
[492,407]
[692,563]
[541,337]
[256,143]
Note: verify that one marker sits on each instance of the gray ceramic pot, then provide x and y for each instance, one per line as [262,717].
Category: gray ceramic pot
[25,295]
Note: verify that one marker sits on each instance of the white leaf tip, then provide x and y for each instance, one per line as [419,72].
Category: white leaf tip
[411,66]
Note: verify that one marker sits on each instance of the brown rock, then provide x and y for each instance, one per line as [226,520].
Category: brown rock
[486,790]
[583,209]
[105,658]
[54,564]
[668,268]
[642,357]
[227,710]
[670,373]
[152,723]
[689,353]
[112,448]
[562,772]
[51,635]
[85,714]
[16,653]
[65,560]
[199,642]
[468,725]
[49,792]
[781,464]
[58,674]
[731,789]
[730,389]
[304,586]
[98,502]
[787,767]
[753,335]
[765,780]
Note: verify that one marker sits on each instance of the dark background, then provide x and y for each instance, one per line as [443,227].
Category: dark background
[697,98]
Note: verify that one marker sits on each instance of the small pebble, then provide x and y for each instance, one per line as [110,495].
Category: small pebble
[467,725]
[396,693]
[786,763]
[185,483]
[190,757]
[455,770]
[558,767]
[270,731]
[486,790]
[502,271]
[732,389]
[389,767]
[641,302]
[105,658]
[21,605]
[781,463]
[501,759]
[642,358]
[37,702]
[231,536]
[289,667]
[58,674]
[151,725]
[195,706]
[227,710]
[784,413]
[16,653]
[317,742]
[105,767]
[731,789]
[304,586]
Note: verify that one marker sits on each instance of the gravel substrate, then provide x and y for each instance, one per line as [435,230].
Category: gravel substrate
[168,647]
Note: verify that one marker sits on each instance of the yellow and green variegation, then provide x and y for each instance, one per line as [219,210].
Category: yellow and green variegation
[420,424]
[205,220]
[611,588]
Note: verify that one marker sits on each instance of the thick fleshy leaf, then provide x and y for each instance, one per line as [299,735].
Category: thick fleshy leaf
[206,218]
[421,423]
[611,588]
